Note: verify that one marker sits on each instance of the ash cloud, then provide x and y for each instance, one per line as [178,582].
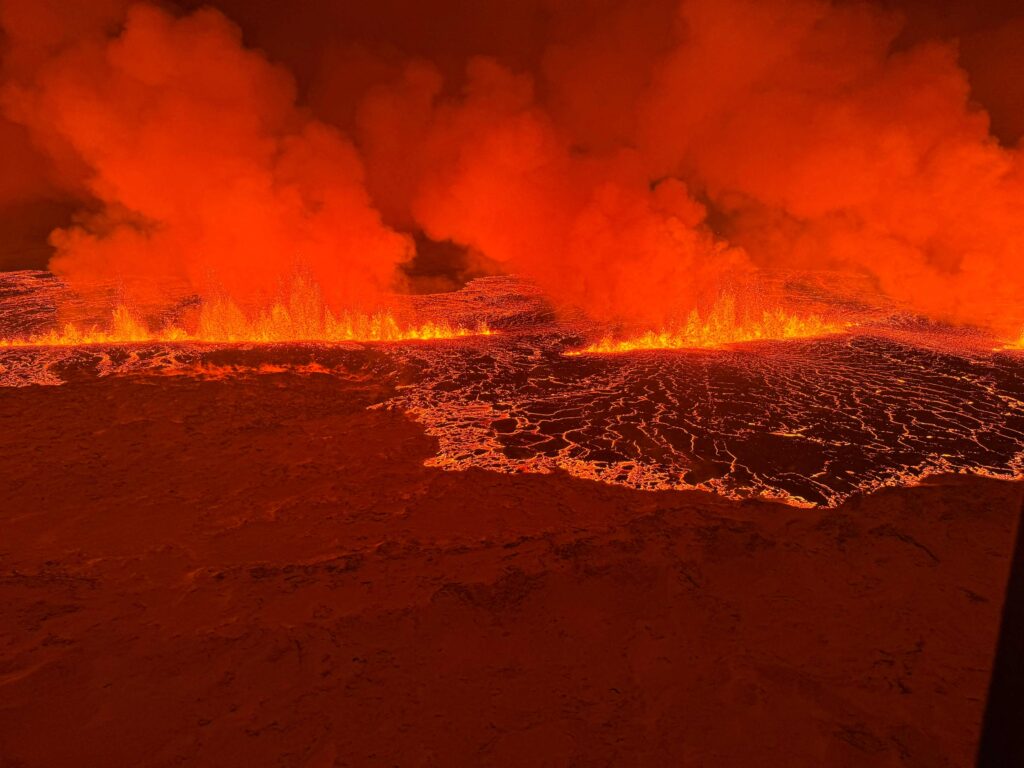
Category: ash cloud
[587,145]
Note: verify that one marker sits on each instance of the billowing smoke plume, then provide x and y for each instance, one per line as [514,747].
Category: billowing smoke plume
[634,158]
[490,170]
[202,167]
[826,148]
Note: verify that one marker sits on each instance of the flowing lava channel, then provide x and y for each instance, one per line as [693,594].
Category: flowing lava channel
[304,317]
[722,326]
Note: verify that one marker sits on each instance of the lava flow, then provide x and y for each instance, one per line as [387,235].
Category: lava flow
[869,399]
[810,422]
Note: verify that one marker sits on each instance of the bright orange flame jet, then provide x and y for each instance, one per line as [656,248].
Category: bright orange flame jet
[304,317]
[721,327]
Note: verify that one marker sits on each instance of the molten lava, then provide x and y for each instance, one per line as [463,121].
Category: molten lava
[722,326]
[887,403]
[1015,345]
[302,317]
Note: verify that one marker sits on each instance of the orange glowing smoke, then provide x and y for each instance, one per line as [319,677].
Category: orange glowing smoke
[653,157]
[722,326]
[199,166]
[633,158]
[302,317]
[1015,345]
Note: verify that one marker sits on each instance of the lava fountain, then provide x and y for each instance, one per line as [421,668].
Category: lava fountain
[303,317]
[722,326]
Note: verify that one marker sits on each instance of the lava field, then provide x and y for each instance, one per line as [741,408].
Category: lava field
[809,422]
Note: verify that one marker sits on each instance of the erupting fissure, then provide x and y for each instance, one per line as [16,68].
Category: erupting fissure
[722,325]
[304,317]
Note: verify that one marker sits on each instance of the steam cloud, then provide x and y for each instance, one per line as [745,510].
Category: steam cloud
[633,158]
